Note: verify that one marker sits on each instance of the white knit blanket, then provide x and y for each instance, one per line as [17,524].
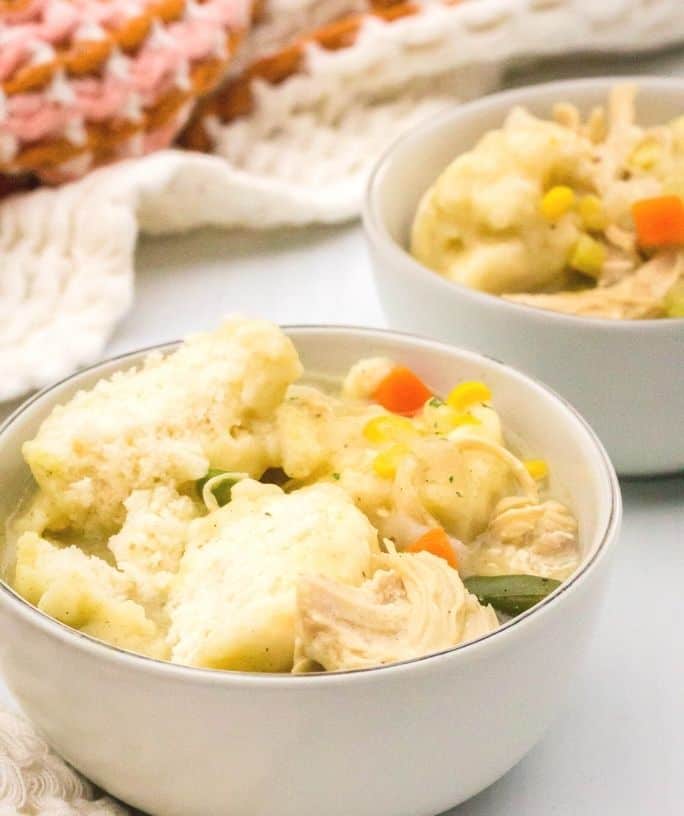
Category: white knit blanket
[36,782]
[66,255]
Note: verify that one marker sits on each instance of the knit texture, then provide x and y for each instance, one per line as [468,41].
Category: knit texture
[34,781]
[300,153]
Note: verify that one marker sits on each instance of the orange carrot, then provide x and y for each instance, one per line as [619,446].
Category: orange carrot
[402,391]
[659,221]
[435,541]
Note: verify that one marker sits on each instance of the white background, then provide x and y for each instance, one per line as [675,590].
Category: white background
[618,748]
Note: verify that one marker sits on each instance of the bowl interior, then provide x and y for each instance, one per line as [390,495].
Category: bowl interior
[538,421]
[413,163]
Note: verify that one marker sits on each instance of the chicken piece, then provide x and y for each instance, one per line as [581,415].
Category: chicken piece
[208,404]
[414,604]
[622,135]
[86,593]
[528,538]
[639,296]
[233,602]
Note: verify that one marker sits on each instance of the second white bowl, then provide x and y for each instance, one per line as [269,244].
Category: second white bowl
[626,377]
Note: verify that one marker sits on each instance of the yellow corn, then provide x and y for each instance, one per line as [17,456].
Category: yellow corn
[386,462]
[592,213]
[559,200]
[537,468]
[646,155]
[674,300]
[389,428]
[467,393]
[587,256]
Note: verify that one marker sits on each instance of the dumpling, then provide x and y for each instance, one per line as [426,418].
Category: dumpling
[234,599]
[164,423]
[305,427]
[454,483]
[149,546]
[480,223]
[85,593]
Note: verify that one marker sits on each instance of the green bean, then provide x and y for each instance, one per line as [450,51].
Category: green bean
[511,594]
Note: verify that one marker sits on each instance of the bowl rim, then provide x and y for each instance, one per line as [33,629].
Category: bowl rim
[377,233]
[606,538]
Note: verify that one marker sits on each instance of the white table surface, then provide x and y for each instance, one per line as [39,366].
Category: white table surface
[618,748]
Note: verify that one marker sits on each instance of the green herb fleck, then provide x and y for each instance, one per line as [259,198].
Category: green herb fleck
[435,402]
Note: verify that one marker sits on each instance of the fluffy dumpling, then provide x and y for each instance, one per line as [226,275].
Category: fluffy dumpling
[413,605]
[149,546]
[480,223]
[454,483]
[86,593]
[233,603]
[305,424]
[164,423]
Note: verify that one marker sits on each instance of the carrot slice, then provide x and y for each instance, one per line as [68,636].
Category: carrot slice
[435,541]
[402,391]
[659,221]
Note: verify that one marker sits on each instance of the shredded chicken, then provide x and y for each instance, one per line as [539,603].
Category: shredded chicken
[622,135]
[621,239]
[527,538]
[568,116]
[414,604]
[639,296]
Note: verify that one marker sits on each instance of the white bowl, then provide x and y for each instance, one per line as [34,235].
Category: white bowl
[403,740]
[626,377]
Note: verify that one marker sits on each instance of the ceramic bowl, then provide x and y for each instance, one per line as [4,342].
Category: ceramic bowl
[625,377]
[402,740]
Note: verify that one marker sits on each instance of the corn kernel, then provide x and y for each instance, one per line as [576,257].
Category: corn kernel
[587,256]
[592,213]
[646,155]
[558,201]
[389,428]
[386,462]
[467,393]
[674,300]
[537,468]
